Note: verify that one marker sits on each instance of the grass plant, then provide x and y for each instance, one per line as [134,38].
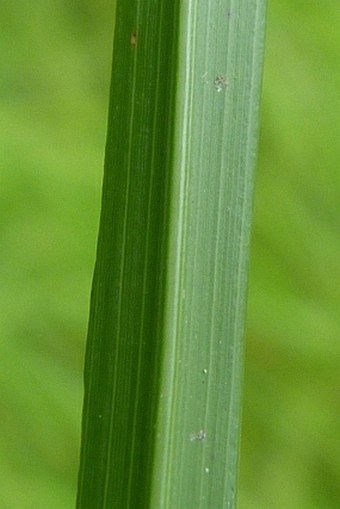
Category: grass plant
[163,372]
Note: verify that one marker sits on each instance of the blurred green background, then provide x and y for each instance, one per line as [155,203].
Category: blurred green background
[54,86]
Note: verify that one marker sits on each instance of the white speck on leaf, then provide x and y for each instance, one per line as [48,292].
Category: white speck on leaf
[199,436]
[220,82]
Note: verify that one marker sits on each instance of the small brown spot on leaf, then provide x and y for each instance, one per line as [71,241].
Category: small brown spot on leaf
[133,39]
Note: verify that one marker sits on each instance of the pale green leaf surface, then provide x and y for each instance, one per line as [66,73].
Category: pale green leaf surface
[215,143]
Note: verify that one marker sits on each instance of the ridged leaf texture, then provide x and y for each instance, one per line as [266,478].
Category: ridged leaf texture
[163,369]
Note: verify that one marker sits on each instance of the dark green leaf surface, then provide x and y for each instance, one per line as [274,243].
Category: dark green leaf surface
[164,356]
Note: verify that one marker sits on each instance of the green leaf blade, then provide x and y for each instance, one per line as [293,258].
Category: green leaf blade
[163,366]
[123,347]
[215,148]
